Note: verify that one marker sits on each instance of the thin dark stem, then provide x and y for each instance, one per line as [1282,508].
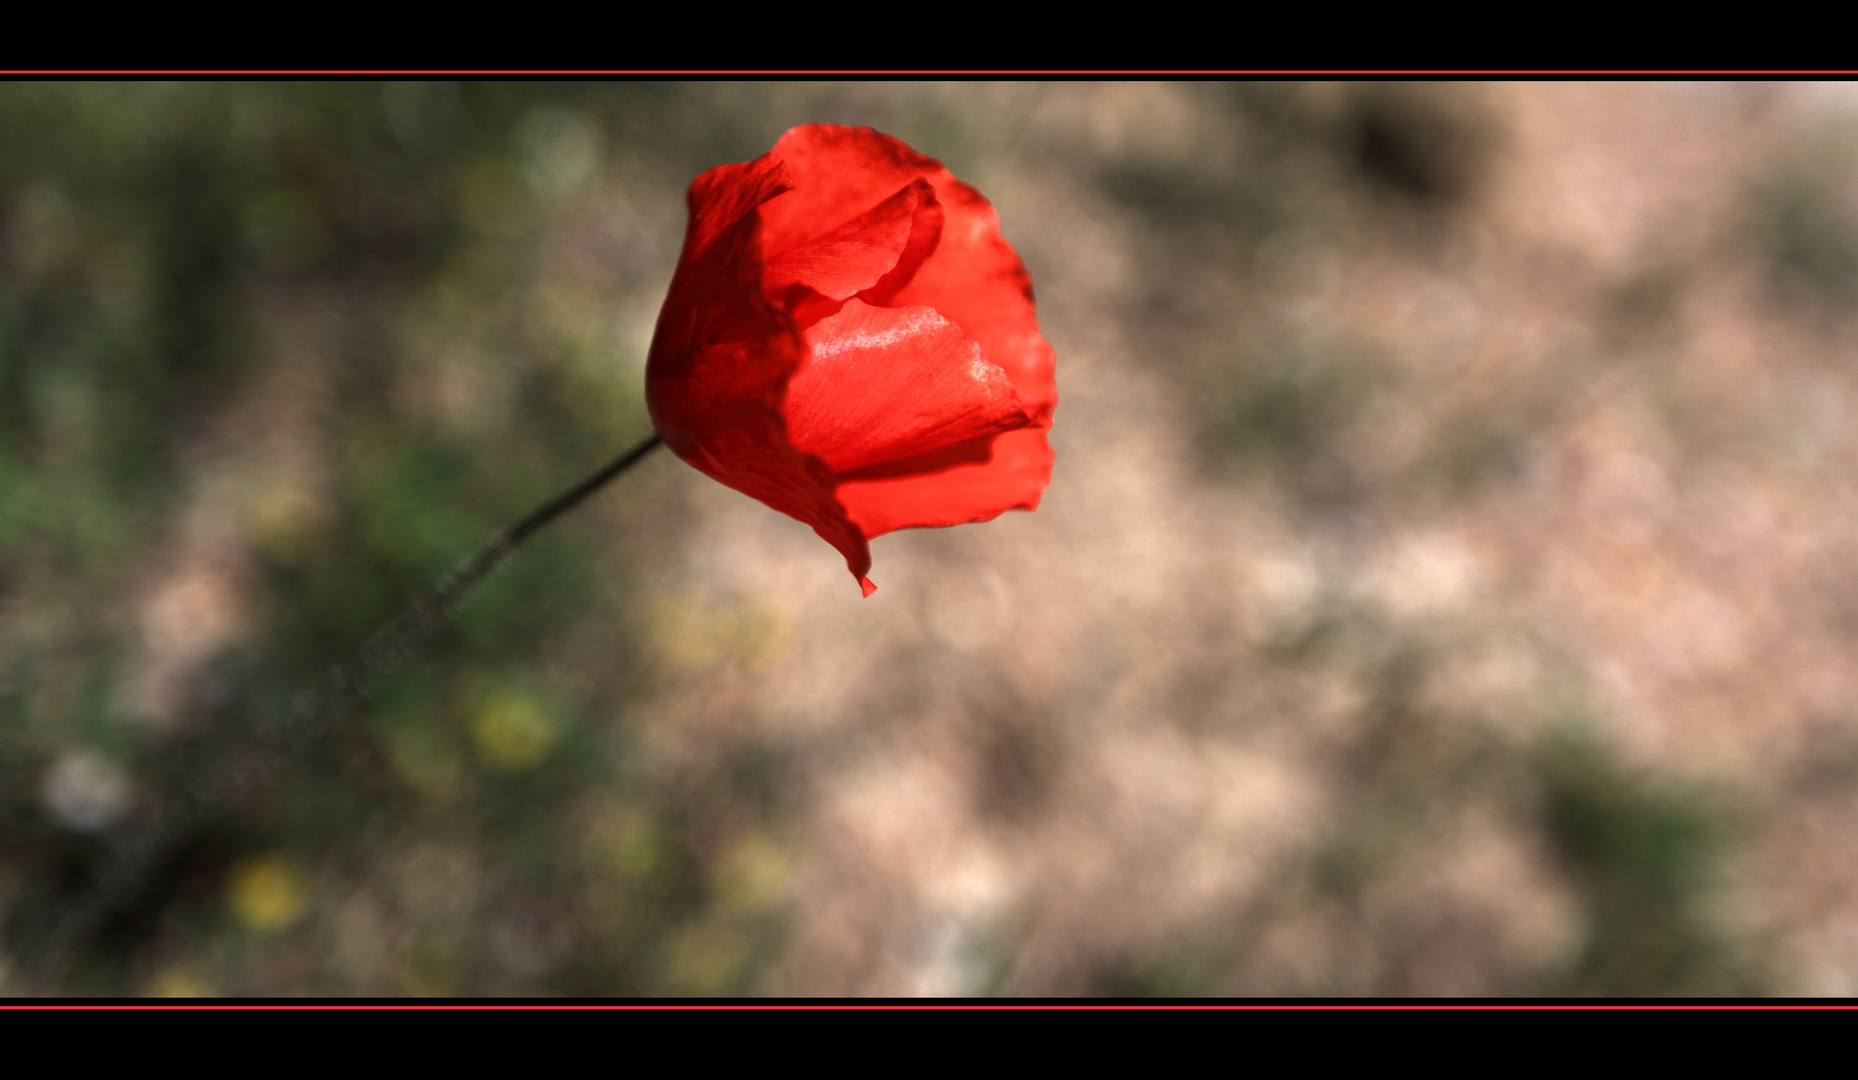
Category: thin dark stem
[141,857]
[502,545]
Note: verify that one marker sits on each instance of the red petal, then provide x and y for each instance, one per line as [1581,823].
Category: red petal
[722,196]
[838,174]
[977,280]
[883,384]
[853,256]
[721,358]
[972,276]
[909,406]
[1014,478]
[925,234]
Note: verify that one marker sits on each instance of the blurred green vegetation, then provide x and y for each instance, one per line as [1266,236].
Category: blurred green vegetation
[164,250]
[1646,857]
[1805,220]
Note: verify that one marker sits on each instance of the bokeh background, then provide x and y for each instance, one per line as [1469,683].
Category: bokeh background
[1448,583]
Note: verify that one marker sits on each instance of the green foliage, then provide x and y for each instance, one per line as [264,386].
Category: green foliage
[1805,221]
[273,359]
[1645,858]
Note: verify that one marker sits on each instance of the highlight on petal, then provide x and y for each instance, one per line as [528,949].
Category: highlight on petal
[972,277]
[978,281]
[881,384]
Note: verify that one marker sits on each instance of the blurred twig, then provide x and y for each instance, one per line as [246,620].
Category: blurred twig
[347,683]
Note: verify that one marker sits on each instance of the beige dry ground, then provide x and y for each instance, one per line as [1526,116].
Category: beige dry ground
[1093,748]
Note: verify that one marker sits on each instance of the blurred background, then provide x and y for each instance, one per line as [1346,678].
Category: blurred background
[1448,583]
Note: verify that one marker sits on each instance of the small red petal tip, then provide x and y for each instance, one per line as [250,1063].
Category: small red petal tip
[865,584]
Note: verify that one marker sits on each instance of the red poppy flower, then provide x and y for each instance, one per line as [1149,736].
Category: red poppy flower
[849,340]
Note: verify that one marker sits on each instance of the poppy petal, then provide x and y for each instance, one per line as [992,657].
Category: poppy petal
[850,340]
[925,234]
[1013,477]
[853,256]
[973,276]
[837,174]
[722,356]
[882,384]
[722,196]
